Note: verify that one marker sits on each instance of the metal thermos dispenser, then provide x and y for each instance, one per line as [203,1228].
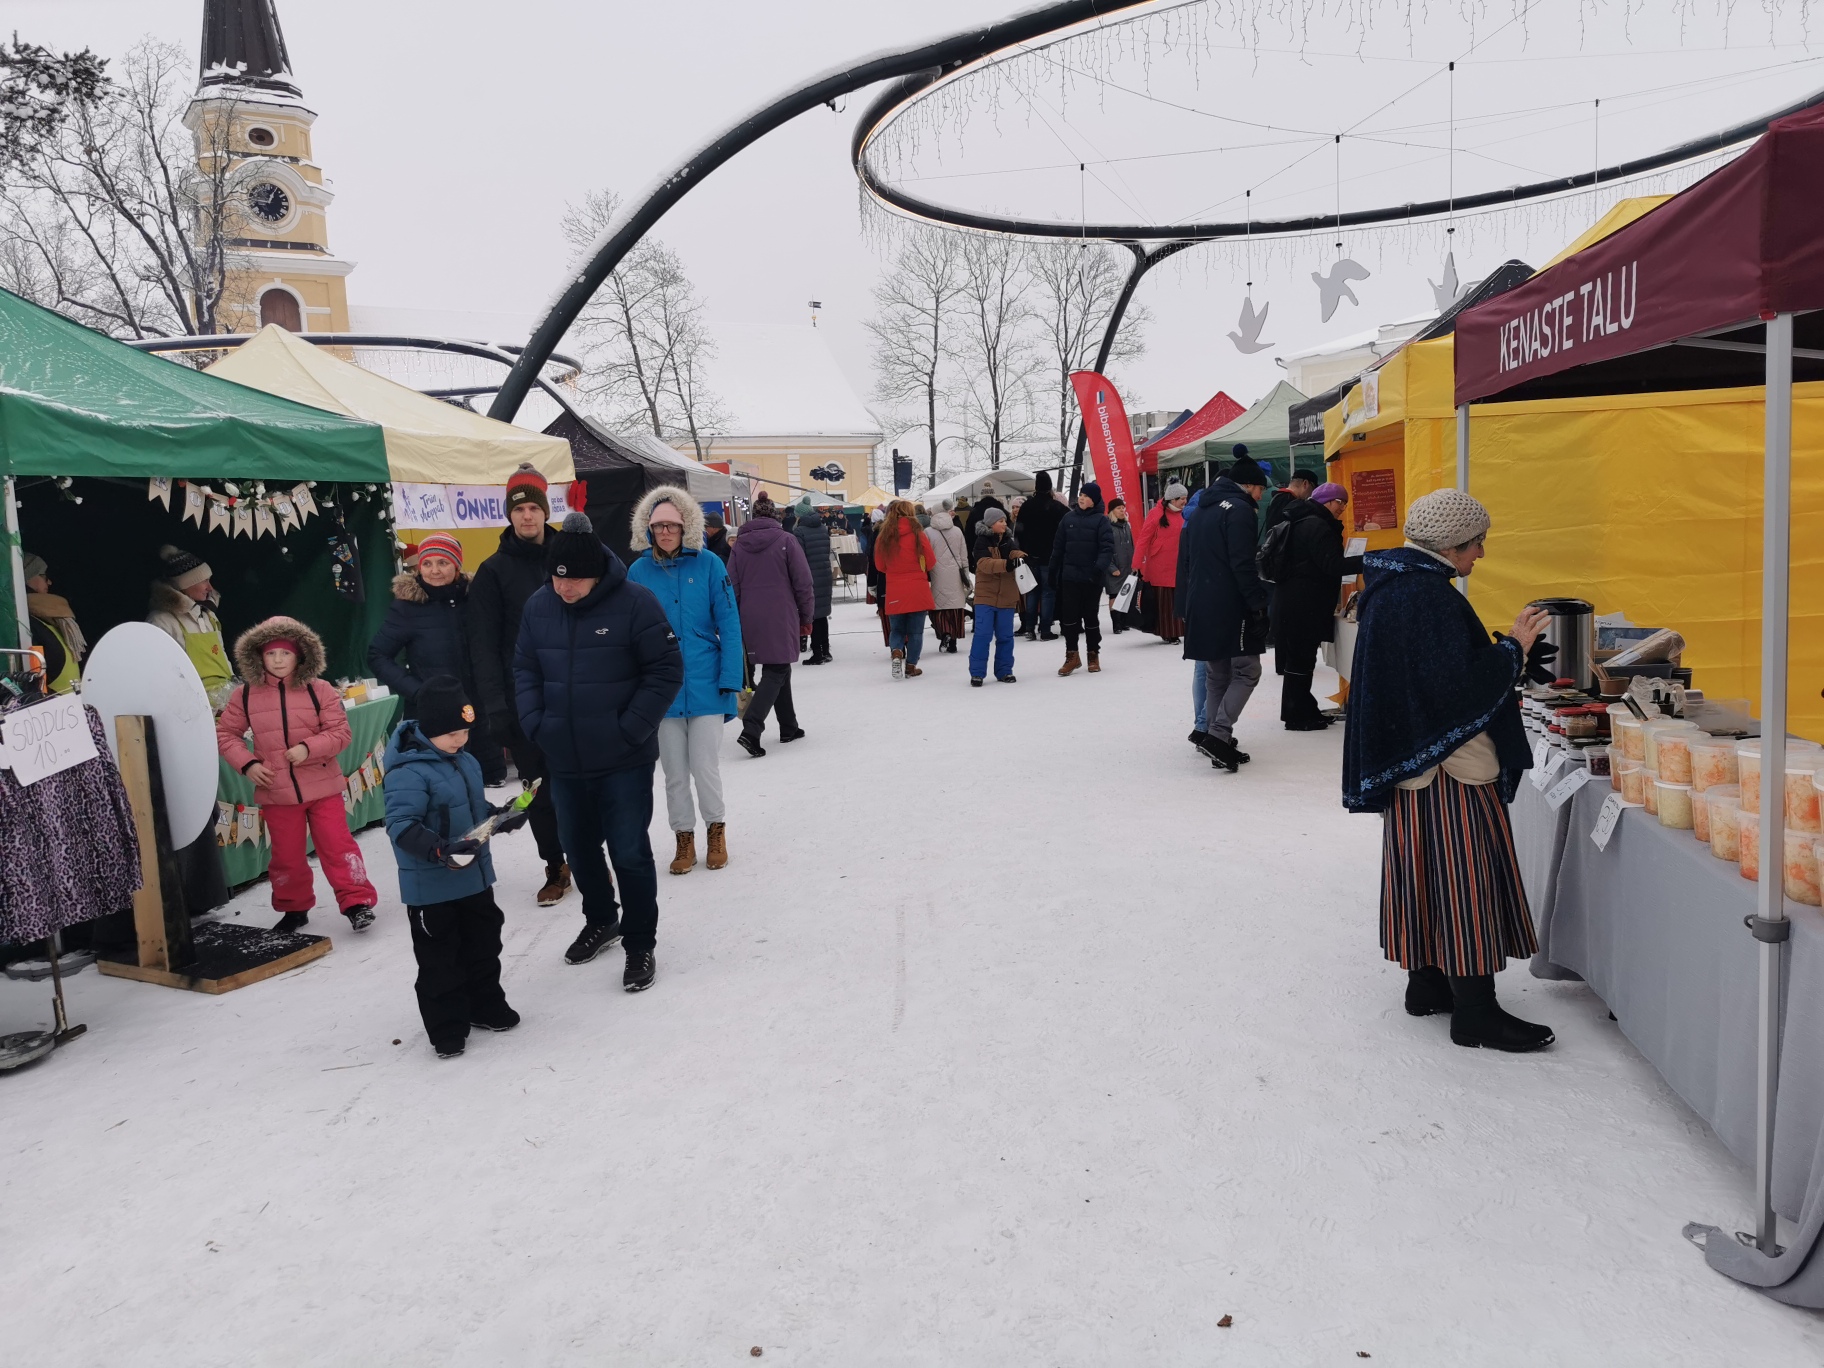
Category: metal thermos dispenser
[1572,630]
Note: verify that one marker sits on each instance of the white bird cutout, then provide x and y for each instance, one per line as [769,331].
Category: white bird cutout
[1333,287]
[1444,292]
[1247,340]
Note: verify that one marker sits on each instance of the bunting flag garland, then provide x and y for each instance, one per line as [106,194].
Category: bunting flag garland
[193,504]
[160,490]
[218,516]
[300,498]
[235,514]
[243,521]
[288,515]
[263,523]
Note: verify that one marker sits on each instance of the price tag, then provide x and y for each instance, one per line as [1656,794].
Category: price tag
[46,738]
[1559,793]
[1546,763]
[1606,819]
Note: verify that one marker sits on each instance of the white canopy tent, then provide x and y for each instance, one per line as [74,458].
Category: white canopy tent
[1005,483]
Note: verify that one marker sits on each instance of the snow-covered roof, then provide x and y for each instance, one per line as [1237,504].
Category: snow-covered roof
[780,380]
[1397,331]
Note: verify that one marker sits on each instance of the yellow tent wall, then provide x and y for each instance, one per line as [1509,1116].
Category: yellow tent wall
[1413,434]
[1651,505]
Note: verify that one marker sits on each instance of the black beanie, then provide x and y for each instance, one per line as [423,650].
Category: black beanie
[442,706]
[575,552]
[1245,472]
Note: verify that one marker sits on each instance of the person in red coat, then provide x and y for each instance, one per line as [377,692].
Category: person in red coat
[903,554]
[1156,558]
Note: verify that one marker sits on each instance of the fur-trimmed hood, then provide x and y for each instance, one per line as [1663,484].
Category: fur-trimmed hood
[252,642]
[689,507]
[176,602]
[408,588]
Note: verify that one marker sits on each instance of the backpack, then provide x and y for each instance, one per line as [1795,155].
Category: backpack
[1274,559]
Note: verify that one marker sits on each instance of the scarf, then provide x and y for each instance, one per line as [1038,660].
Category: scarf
[55,609]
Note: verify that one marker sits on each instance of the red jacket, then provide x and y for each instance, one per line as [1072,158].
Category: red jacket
[906,562]
[1156,547]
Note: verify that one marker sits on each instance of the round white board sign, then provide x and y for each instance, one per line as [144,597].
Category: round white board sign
[137,671]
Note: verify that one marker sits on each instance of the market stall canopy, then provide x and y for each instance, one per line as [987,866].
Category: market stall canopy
[1673,300]
[700,482]
[1263,428]
[427,440]
[73,402]
[1005,483]
[1218,412]
[873,497]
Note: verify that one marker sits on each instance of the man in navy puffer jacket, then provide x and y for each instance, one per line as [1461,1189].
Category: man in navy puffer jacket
[595,670]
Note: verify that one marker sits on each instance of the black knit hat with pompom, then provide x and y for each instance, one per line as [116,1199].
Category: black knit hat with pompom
[574,551]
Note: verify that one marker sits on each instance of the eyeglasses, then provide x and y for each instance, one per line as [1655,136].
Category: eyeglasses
[666,527]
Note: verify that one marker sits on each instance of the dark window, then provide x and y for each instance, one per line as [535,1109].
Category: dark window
[261,137]
[281,307]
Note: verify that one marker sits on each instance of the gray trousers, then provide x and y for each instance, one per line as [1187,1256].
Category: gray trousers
[690,749]
[1228,684]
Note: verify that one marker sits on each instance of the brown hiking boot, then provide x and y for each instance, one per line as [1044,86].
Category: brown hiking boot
[686,858]
[718,845]
[1095,663]
[557,883]
[913,672]
[1072,662]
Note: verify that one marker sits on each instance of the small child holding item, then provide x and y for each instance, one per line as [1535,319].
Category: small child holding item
[298,729]
[434,796]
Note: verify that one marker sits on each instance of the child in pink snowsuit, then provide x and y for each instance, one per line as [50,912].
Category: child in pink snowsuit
[299,728]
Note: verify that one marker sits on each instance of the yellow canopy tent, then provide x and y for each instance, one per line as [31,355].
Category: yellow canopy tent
[1393,438]
[873,497]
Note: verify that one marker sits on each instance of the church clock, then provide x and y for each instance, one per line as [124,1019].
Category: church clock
[269,201]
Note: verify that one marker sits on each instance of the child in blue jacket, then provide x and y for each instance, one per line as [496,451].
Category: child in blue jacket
[433,796]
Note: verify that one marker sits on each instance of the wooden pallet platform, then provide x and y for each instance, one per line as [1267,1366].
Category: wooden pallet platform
[227,957]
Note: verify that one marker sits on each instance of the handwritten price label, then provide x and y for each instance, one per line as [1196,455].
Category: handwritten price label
[1559,793]
[46,738]
[1607,818]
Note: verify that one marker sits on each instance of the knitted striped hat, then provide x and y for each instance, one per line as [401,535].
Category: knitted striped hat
[440,544]
[526,483]
[1445,518]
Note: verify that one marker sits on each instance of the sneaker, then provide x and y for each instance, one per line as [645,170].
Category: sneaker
[791,735]
[638,975]
[750,744]
[899,664]
[557,883]
[595,938]
[360,916]
[500,1018]
[292,921]
[975,681]
[451,1050]
[1222,752]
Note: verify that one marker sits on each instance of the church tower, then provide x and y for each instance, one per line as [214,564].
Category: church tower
[252,136]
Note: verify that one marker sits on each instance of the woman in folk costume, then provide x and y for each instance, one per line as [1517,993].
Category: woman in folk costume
[1156,558]
[950,584]
[1434,741]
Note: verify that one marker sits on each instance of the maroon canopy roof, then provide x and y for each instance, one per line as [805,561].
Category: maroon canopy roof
[1745,242]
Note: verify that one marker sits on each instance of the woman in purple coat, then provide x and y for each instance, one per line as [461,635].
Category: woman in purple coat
[773,591]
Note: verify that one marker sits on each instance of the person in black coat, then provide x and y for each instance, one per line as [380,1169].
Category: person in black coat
[497,598]
[1225,619]
[973,522]
[1036,527]
[1297,490]
[1304,600]
[814,536]
[1081,553]
[595,670]
[428,621]
[715,536]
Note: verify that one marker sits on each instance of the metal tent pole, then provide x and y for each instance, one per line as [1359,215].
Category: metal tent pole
[1463,447]
[15,567]
[1769,925]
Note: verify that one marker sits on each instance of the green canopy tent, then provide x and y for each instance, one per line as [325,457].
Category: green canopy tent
[78,405]
[1263,428]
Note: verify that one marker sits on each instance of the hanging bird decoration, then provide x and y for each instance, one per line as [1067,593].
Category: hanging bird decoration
[1334,287]
[1444,292]
[1247,339]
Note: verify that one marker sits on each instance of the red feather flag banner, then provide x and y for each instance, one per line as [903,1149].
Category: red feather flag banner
[1111,440]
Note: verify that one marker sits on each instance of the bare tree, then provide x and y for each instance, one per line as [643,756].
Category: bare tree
[39,90]
[645,349]
[1074,289]
[995,348]
[116,219]
[914,325]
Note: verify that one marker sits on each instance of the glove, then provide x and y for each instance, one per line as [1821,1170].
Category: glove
[1538,662]
[465,846]
[510,820]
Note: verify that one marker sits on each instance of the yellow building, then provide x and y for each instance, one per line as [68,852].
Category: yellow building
[252,135]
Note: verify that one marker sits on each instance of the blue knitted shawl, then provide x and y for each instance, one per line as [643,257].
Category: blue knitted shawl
[1427,677]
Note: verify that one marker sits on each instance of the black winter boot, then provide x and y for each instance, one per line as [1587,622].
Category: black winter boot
[1479,1022]
[1428,991]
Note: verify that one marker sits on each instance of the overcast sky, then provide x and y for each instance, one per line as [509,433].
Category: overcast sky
[455,130]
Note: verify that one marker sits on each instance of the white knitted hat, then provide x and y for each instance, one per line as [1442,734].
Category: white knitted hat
[1445,518]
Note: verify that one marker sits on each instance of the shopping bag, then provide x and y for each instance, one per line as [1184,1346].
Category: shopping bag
[1024,578]
[1124,597]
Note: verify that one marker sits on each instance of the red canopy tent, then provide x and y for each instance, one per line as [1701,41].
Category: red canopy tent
[1709,290]
[1218,413]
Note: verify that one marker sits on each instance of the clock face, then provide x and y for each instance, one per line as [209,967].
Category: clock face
[269,201]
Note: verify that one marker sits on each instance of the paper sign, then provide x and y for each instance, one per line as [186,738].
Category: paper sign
[193,504]
[46,738]
[218,516]
[160,490]
[302,501]
[247,829]
[264,523]
[1542,754]
[1557,795]
[243,521]
[1607,818]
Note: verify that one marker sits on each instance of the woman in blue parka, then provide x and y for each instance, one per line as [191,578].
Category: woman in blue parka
[692,586]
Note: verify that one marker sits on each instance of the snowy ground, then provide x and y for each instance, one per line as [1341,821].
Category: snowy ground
[1013,1034]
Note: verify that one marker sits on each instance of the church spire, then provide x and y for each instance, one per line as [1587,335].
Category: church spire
[243,46]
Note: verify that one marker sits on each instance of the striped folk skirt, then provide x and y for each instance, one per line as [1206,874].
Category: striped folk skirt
[1156,615]
[1451,894]
[948,622]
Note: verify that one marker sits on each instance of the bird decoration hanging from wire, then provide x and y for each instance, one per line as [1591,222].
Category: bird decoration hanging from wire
[1444,292]
[1247,337]
[1333,287]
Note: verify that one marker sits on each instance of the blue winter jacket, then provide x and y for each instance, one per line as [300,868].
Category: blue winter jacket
[692,587]
[443,793]
[592,681]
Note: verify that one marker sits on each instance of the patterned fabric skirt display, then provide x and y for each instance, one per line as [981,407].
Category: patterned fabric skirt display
[1156,615]
[1451,894]
[948,622]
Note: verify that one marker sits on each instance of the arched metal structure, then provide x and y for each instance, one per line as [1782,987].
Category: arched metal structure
[635,220]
